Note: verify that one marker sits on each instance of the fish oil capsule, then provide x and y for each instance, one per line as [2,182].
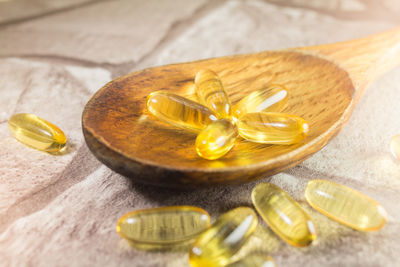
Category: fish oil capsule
[284,215]
[254,260]
[179,111]
[224,238]
[36,132]
[212,94]
[216,139]
[345,205]
[163,226]
[272,128]
[395,146]
[272,98]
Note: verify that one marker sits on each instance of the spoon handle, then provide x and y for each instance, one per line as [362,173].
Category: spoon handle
[365,59]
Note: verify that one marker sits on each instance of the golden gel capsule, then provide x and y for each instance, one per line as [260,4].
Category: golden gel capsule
[179,111]
[345,205]
[395,146]
[163,226]
[272,98]
[254,260]
[212,94]
[36,132]
[216,140]
[224,238]
[284,215]
[272,128]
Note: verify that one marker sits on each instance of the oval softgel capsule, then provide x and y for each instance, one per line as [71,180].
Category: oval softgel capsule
[395,146]
[163,226]
[211,93]
[254,260]
[272,98]
[272,128]
[283,214]
[345,205]
[179,111]
[216,139]
[224,238]
[36,132]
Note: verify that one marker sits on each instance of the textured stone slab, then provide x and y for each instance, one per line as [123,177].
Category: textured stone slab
[79,223]
[349,9]
[62,210]
[17,10]
[252,26]
[106,32]
[361,150]
[53,93]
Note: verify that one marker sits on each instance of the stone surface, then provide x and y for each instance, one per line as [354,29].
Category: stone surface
[254,26]
[62,210]
[105,32]
[50,92]
[11,11]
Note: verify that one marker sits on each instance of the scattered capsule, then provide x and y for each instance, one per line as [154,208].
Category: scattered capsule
[163,226]
[224,238]
[36,132]
[254,260]
[179,111]
[272,98]
[211,93]
[272,128]
[395,146]
[345,205]
[216,140]
[284,215]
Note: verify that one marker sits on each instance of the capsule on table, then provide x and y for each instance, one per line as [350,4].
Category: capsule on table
[216,139]
[163,226]
[254,260]
[284,215]
[179,111]
[272,128]
[36,132]
[395,146]
[345,205]
[272,98]
[224,238]
[212,94]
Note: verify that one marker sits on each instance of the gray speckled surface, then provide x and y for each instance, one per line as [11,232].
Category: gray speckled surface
[62,210]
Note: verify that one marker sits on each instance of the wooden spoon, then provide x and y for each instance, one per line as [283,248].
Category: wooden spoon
[325,83]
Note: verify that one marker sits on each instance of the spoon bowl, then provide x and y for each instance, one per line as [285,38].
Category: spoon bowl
[323,84]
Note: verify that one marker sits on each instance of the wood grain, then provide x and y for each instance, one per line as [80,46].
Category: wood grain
[121,134]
